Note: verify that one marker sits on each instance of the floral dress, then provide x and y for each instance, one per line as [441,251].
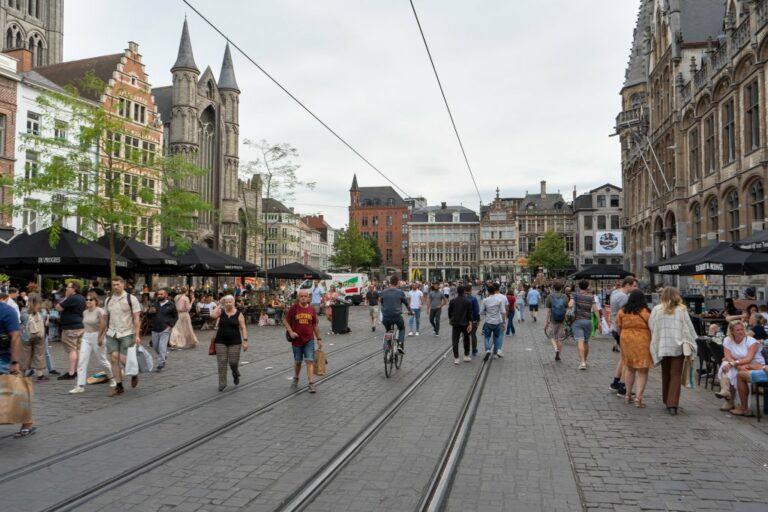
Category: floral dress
[635,339]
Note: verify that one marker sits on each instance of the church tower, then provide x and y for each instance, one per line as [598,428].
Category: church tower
[183,132]
[230,113]
[36,26]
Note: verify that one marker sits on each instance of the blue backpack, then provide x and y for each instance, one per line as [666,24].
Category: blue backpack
[559,305]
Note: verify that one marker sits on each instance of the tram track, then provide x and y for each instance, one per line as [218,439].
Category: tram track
[82,448]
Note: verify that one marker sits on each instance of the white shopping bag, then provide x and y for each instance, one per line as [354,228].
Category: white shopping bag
[146,363]
[132,362]
[605,329]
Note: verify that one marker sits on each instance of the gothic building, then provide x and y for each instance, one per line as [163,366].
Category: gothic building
[34,25]
[200,116]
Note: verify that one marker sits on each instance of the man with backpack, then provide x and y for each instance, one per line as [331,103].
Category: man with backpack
[557,304]
[122,329]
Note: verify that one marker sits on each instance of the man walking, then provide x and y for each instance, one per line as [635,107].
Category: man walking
[317,296]
[13,294]
[71,318]
[163,321]
[435,302]
[301,322]
[619,298]
[557,304]
[510,311]
[475,317]
[460,317]
[122,329]
[372,298]
[495,310]
[533,302]
[416,296]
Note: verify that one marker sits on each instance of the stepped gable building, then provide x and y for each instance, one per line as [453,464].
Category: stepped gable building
[36,26]
[597,217]
[381,214]
[200,116]
[499,239]
[693,127]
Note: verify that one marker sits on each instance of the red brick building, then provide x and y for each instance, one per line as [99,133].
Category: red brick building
[8,93]
[381,214]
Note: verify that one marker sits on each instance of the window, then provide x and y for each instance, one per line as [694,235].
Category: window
[113,143]
[405,229]
[587,222]
[614,222]
[569,246]
[60,130]
[601,201]
[390,202]
[729,132]
[364,221]
[757,201]
[733,216]
[31,165]
[132,148]
[29,215]
[389,254]
[588,243]
[709,145]
[389,237]
[601,261]
[147,153]
[614,200]
[139,113]
[2,134]
[389,220]
[124,107]
[615,261]
[33,123]
[375,220]
[149,184]
[714,218]
[601,222]
[696,218]
[588,261]
[693,155]
[751,117]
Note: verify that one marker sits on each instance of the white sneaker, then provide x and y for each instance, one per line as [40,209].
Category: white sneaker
[112,383]
[417,333]
[499,354]
[456,361]
[410,333]
[77,389]
[467,359]
[583,366]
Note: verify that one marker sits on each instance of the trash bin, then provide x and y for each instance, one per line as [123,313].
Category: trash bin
[340,320]
[694,302]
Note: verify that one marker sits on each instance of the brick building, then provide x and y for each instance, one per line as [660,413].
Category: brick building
[8,105]
[381,214]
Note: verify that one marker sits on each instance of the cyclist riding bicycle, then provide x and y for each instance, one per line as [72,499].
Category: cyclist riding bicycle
[392,301]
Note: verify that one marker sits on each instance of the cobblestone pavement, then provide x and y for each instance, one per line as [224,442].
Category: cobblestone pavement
[545,436]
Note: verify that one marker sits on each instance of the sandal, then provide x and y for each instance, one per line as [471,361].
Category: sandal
[627,400]
[311,387]
[639,403]
[24,432]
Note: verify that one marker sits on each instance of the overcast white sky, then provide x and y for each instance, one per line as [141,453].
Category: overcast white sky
[533,85]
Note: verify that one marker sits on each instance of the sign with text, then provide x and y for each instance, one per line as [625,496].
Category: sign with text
[609,242]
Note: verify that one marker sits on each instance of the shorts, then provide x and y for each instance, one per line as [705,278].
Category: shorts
[533,307]
[758,377]
[120,344]
[305,352]
[557,331]
[71,338]
[374,312]
[581,329]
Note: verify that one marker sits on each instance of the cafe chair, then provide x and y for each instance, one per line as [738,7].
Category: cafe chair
[705,367]
[716,356]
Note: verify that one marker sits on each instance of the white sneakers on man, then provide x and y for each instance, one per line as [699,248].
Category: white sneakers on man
[77,389]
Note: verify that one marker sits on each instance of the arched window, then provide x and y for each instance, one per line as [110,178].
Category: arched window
[9,39]
[733,216]
[209,91]
[757,201]
[19,40]
[714,219]
[696,219]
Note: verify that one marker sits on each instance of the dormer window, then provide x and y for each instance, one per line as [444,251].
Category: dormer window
[558,206]
[456,217]
[530,206]
[431,217]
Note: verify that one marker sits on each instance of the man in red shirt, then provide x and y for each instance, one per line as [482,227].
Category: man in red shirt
[301,324]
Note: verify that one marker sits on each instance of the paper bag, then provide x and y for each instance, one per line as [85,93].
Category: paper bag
[15,399]
[320,362]
[687,380]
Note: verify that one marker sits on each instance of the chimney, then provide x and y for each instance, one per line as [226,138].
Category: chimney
[321,218]
[443,206]
[133,46]
[543,188]
[574,192]
[24,58]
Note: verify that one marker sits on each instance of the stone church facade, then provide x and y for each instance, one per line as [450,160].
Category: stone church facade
[34,25]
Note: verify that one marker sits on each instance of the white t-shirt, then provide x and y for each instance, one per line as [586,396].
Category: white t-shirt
[446,290]
[416,296]
[494,307]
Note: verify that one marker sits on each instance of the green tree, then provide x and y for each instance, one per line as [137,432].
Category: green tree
[352,249]
[94,166]
[549,253]
[377,259]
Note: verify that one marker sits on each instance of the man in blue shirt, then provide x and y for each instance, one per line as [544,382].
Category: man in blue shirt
[533,302]
[392,301]
[316,299]
[11,349]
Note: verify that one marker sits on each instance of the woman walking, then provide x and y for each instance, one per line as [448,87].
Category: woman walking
[34,337]
[635,336]
[94,319]
[330,297]
[672,339]
[231,334]
[182,335]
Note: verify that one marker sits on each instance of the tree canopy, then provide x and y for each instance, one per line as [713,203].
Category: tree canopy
[550,253]
[352,249]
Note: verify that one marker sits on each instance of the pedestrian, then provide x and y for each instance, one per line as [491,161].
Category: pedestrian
[446,291]
[631,324]
[416,297]
[520,303]
[584,306]
[317,296]
[460,318]
[301,323]
[13,295]
[557,305]
[164,319]
[372,299]
[671,328]
[52,322]
[511,299]
[11,351]
[231,336]
[328,300]
[121,330]
[435,302]
[392,301]
[71,318]
[94,320]
[741,353]
[475,317]
[182,334]
[33,332]
[495,311]
[533,302]
[619,298]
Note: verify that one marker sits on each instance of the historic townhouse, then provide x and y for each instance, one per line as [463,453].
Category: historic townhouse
[283,234]
[498,239]
[597,218]
[327,238]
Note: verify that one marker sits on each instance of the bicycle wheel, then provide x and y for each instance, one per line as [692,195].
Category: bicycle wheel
[396,354]
[388,358]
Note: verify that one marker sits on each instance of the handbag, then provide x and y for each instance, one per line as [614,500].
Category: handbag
[15,399]
[212,346]
[146,362]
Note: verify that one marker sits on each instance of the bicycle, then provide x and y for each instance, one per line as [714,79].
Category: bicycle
[392,356]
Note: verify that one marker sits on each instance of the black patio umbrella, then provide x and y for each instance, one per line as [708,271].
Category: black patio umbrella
[199,260]
[601,272]
[757,242]
[72,254]
[672,265]
[723,259]
[145,259]
[295,271]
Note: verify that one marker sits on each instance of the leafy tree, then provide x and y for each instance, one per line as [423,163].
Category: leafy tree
[94,174]
[377,260]
[352,249]
[550,253]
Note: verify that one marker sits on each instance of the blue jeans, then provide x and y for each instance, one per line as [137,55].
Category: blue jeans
[498,339]
[510,321]
[48,360]
[398,321]
[416,317]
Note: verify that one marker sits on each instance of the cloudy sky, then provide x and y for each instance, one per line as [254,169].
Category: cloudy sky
[533,85]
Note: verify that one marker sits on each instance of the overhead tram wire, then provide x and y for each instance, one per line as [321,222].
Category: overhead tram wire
[445,100]
[294,98]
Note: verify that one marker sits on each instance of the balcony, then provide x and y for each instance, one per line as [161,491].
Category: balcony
[741,36]
[701,78]
[761,11]
[633,117]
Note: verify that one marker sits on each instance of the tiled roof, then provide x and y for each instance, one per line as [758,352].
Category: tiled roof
[70,73]
[185,58]
[547,202]
[444,214]
[227,77]
[380,194]
[163,102]
[583,202]
[271,205]
[700,19]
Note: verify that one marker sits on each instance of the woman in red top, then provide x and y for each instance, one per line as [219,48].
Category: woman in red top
[510,311]
[301,324]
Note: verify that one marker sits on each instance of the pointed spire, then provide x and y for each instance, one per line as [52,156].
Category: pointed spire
[186,59]
[354,184]
[227,77]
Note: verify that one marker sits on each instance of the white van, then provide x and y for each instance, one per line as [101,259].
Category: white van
[351,286]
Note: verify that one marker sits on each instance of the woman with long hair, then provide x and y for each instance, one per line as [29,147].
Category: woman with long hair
[34,330]
[635,336]
[94,319]
[672,338]
[182,335]
[742,353]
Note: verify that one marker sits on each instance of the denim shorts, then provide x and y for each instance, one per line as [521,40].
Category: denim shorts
[305,352]
[120,344]
[581,329]
[758,376]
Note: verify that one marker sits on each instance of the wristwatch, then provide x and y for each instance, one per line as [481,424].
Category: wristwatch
[319,339]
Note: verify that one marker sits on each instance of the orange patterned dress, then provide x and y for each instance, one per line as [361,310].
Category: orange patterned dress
[635,339]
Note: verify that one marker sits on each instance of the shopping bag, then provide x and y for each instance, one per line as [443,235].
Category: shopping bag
[320,362]
[146,363]
[131,362]
[604,328]
[15,399]
[212,346]
[687,380]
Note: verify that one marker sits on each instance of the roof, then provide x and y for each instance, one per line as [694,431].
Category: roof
[185,58]
[605,185]
[378,196]
[699,19]
[444,214]
[227,77]
[164,102]
[70,73]
[583,202]
[637,67]
[271,205]
[35,77]
[354,183]
[547,202]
